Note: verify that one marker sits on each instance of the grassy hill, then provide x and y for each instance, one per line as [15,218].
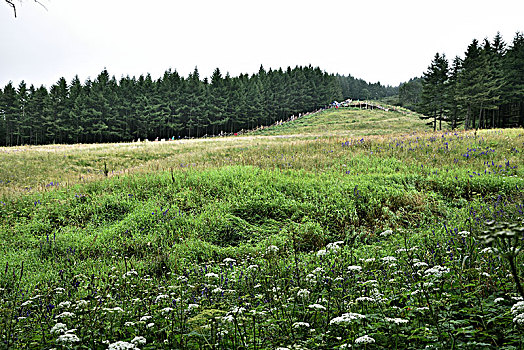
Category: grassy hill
[349,122]
[324,239]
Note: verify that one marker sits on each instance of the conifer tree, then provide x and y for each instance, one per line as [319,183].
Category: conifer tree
[435,89]
[10,111]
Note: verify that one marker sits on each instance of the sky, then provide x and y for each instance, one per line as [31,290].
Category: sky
[375,40]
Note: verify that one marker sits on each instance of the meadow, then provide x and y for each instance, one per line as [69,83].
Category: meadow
[343,229]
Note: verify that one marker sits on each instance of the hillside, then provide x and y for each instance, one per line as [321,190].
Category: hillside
[349,122]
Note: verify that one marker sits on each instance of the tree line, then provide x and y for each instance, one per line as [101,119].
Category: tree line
[109,110]
[485,89]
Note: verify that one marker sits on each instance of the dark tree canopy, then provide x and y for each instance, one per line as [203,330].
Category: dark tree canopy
[109,110]
[485,89]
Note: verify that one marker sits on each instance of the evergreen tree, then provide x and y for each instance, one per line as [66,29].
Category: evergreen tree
[11,112]
[410,93]
[22,120]
[454,102]
[514,76]
[435,89]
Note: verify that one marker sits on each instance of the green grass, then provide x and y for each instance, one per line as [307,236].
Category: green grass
[349,122]
[229,243]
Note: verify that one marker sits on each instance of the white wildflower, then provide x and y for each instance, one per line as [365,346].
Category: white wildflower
[464,234]
[345,346]
[130,273]
[145,318]
[498,300]
[334,246]
[370,282]
[396,320]
[346,318]
[228,318]
[489,250]
[68,338]
[160,297]
[310,278]
[420,264]
[300,324]
[229,260]
[181,278]
[388,259]
[303,293]
[355,268]
[252,267]
[122,345]
[272,249]
[149,325]
[166,310]
[65,314]
[29,302]
[192,306]
[217,290]
[386,233]
[519,319]
[436,271]
[81,303]
[238,310]
[59,328]
[317,307]
[321,252]
[366,339]
[318,269]
[114,309]
[65,304]
[518,308]
[361,299]
[129,324]
[138,340]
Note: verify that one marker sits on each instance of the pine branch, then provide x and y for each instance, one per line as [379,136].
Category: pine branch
[12,4]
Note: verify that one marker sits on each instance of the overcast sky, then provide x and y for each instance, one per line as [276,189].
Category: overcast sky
[376,40]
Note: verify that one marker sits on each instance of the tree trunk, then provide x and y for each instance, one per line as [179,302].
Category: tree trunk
[480,118]
[521,115]
[474,121]
[466,123]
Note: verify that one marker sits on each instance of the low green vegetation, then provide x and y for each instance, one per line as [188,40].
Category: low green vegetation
[317,240]
[349,121]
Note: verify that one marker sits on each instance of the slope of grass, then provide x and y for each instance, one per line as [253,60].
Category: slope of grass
[265,242]
[349,122]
